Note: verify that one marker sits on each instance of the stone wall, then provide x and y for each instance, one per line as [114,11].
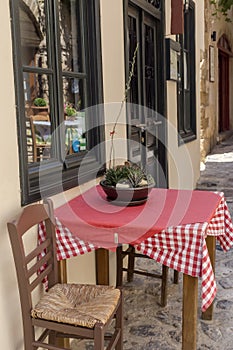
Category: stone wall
[209,90]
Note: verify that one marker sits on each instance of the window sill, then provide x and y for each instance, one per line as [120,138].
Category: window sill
[186,138]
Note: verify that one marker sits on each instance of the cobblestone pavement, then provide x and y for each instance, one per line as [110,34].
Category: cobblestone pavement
[148,326]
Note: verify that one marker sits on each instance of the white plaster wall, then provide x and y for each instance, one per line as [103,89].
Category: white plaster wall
[112,37]
[184,160]
[10,317]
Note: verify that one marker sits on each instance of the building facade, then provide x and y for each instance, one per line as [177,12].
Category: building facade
[77,59]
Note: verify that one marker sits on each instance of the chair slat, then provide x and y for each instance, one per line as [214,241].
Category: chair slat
[37,251]
[41,277]
[39,264]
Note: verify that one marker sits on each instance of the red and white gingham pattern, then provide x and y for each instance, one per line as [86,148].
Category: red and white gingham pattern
[221,225]
[182,248]
[67,245]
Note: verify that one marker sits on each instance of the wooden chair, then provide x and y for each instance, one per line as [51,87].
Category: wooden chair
[131,253]
[41,148]
[65,310]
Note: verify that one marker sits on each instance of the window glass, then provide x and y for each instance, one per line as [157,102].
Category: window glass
[75,124]
[33,35]
[71,36]
[37,116]
[185,71]
[186,85]
[155,3]
[149,66]
[53,41]
[73,95]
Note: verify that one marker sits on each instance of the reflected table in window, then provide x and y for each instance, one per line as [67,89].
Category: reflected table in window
[74,139]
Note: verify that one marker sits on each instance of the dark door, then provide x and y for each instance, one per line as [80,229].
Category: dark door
[223,60]
[146,130]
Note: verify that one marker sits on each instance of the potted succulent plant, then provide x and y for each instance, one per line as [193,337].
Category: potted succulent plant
[127,184]
[69,110]
[40,106]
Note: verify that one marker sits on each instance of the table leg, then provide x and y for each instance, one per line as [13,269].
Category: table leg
[62,271]
[190,303]
[211,245]
[102,266]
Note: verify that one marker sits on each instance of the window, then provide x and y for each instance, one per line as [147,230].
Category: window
[186,84]
[57,67]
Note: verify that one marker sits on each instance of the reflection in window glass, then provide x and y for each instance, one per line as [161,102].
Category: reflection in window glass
[38,138]
[73,95]
[133,94]
[185,72]
[37,119]
[75,134]
[70,36]
[36,92]
[186,84]
[155,3]
[149,67]
[33,35]
[75,127]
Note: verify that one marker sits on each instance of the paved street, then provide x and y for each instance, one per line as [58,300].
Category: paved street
[150,327]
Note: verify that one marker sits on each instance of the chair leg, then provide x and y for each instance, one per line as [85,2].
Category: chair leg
[165,270]
[52,338]
[29,338]
[130,272]
[131,261]
[119,324]
[99,337]
[119,271]
[176,277]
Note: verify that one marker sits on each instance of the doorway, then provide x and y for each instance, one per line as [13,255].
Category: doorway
[224,54]
[145,112]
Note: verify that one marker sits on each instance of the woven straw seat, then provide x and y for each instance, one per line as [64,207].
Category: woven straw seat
[66,311]
[77,304]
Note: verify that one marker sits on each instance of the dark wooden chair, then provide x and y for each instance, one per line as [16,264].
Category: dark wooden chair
[41,148]
[132,254]
[65,310]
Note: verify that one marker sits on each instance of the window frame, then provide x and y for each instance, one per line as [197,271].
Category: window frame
[30,174]
[186,109]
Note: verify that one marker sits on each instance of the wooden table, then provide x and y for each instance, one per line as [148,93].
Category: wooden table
[176,228]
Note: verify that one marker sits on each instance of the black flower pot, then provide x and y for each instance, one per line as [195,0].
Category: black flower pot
[126,196]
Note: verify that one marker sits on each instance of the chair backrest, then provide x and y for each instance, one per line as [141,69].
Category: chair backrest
[36,143]
[34,264]
[37,117]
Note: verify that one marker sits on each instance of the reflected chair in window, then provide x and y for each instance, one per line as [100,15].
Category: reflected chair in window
[64,310]
[41,141]
[132,254]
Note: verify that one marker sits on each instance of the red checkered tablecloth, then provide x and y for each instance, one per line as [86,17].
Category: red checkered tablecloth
[182,248]
[67,245]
